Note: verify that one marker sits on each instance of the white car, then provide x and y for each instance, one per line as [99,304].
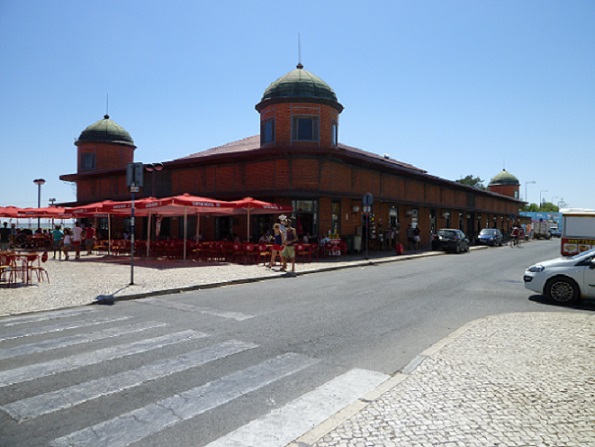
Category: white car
[564,280]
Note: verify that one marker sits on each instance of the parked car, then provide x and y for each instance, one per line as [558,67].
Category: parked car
[554,232]
[490,236]
[449,239]
[563,280]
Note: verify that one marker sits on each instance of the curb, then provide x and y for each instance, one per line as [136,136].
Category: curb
[397,378]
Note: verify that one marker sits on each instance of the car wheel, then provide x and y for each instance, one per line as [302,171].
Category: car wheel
[562,290]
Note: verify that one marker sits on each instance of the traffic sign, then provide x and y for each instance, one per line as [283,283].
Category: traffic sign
[134,175]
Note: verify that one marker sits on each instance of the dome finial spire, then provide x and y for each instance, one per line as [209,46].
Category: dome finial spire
[299,66]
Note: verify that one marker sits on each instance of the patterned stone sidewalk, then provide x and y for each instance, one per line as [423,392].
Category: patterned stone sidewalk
[509,380]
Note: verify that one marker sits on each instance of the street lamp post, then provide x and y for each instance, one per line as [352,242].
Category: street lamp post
[530,182]
[39,182]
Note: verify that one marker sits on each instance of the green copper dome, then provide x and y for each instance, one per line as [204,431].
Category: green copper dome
[504,178]
[105,131]
[299,83]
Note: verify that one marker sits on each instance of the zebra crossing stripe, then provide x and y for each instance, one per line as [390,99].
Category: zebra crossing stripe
[38,370]
[42,316]
[27,332]
[71,396]
[138,424]
[283,425]
[71,340]
[238,316]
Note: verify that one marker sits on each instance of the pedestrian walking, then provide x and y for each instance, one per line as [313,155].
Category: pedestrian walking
[57,240]
[77,239]
[288,252]
[277,245]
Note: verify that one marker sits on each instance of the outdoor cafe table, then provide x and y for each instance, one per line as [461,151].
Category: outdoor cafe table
[28,262]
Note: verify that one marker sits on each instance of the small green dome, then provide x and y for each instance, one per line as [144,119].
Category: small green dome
[504,178]
[105,131]
[299,83]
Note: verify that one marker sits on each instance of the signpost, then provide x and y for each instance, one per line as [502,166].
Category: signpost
[134,180]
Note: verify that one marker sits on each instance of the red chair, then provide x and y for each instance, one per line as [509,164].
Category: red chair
[264,254]
[8,268]
[251,253]
[38,269]
[302,252]
[238,253]
[314,251]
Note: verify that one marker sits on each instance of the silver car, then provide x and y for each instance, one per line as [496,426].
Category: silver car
[564,280]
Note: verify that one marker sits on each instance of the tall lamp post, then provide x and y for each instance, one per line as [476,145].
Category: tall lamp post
[39,182]
[543,190]
[530,182]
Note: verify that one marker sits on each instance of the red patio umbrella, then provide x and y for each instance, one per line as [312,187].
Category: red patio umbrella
[9,211]
[55,212]
[181,205]
[91,209]
[250,206]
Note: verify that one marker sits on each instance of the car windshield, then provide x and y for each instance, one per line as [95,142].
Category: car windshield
[447,233]
[584,254]
[487,231]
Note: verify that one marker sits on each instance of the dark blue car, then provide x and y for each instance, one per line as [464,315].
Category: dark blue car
[490,236]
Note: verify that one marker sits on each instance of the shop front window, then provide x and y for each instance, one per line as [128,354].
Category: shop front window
[306,219]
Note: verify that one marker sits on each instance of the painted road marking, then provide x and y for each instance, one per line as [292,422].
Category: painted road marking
[71,396]
[43,316]
[71,340]
[38,370]
[27,332]
[138,424]
[285,424]
[198,309]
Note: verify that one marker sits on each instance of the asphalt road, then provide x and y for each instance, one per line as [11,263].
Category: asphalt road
[186,369]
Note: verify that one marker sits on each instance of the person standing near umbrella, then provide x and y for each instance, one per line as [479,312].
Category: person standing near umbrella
[289,250]
[4,237]
[277,245]
[77,239]
[57,240]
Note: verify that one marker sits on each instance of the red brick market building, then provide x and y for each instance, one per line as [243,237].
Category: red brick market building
[296,160]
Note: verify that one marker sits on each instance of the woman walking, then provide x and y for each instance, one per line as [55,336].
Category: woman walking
[277,245]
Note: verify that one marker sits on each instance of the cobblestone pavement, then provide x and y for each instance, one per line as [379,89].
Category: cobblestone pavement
[508,380]
[511,380]
[75,283]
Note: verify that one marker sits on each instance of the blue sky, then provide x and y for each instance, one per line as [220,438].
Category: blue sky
[455,87]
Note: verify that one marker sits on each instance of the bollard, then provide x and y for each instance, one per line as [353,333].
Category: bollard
[399,249]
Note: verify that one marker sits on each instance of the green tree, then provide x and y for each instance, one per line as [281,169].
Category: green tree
[470,180]
[548,207]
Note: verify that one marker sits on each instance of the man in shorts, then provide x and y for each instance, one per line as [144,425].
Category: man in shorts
[77,239]
[289,250]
